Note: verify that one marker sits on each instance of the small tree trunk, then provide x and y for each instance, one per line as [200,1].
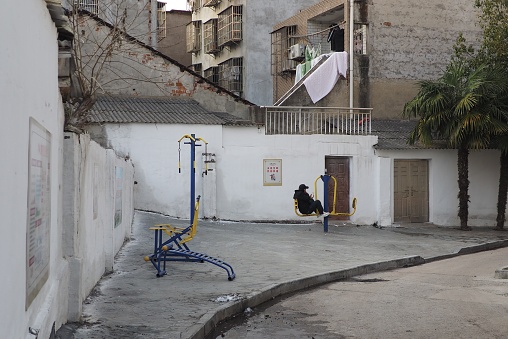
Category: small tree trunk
[503,189]
[463,168]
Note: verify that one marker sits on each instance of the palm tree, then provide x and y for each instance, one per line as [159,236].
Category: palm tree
[462,108]
[502,145]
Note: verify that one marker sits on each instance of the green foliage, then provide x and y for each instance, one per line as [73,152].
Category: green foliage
[465,107]
[494,22]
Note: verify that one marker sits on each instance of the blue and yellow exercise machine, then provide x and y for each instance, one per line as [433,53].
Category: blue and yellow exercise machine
[326,179]
[175,247]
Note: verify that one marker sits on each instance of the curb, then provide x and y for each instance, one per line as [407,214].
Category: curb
[210,320]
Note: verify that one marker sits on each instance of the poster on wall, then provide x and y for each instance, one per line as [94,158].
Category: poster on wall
[272,172]
[38,210]
[118,195]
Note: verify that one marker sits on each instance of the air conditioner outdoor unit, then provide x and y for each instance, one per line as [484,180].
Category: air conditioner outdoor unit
[296,51]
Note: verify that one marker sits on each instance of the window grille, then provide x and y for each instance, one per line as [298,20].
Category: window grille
[161,20]
[282,40]
[194,37]
[91,6]
[360,39]
[196,68]
[212,74]
[211,3]
[231,75]
[229,26]
[195,5]
[211,45]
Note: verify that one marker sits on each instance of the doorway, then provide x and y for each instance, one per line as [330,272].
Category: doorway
[338,167]
[411,190]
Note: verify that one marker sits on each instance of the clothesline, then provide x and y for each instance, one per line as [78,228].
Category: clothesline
[318,32]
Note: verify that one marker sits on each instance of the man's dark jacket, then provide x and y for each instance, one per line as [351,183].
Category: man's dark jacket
[304,201]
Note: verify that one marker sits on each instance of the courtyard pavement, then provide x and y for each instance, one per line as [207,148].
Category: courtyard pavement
[269,260]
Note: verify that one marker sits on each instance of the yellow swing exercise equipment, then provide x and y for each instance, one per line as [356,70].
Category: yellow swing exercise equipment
[333,212]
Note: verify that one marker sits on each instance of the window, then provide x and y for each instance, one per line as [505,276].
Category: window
[91,6]
[196,68]
[282,40]
[231,75]
[161,20]
[212,74]
[211,3]
[195,5]
[194,37]
[229,26]
[211,45]
[360,39]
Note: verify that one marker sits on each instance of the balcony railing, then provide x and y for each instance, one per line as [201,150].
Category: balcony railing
[317,120]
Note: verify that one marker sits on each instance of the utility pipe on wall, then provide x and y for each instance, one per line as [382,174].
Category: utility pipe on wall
[351,51]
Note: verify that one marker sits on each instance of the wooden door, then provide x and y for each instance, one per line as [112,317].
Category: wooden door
[411,194]
[338,167]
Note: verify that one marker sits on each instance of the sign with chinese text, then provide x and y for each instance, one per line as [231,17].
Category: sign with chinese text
[272,172]
[38,210]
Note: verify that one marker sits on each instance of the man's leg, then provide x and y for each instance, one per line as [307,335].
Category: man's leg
[316,205]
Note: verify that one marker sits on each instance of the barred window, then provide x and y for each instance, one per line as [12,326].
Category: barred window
[231,75]
[212,74]
[91,6]
[211,3]
[196,68]
[282,40]
[194,37]
[229,26]
[210,37]
[194,5]
[161,20]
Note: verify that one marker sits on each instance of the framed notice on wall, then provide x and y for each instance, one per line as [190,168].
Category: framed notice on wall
[272,172]
[39,210]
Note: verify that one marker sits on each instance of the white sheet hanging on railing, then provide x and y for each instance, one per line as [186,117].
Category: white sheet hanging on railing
[320,82]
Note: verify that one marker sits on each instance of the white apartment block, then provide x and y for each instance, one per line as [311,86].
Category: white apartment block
[230,43]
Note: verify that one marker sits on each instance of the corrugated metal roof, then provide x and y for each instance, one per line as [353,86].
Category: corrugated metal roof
[393,134]
[164,110]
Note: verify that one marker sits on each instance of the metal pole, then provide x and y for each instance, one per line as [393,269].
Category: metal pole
[351,51]
[325,179]
[193,176]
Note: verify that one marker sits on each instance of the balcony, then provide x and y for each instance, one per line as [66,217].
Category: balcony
[317,120]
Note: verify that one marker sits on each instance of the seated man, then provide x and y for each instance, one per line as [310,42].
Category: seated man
[306,202]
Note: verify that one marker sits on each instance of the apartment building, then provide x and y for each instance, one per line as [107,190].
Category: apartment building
[144,20]
[393,45]
[230,43]
[171,37]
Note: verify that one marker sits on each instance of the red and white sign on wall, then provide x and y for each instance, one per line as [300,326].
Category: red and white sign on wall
[272,172]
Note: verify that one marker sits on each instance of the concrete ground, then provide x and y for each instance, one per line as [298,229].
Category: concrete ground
[454,298]
[270,260]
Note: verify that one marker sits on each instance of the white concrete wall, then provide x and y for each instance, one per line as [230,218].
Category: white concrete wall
[29,89]
[234,189]
[91,238]
[135,70]
[443,186]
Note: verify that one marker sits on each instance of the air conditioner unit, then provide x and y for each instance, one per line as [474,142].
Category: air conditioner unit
[296,52]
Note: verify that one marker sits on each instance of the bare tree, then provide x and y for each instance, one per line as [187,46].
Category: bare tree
[93,50]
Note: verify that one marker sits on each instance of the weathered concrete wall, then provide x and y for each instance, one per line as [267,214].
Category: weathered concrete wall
[140,16]
[443,188]
[234,189]
[98,213]
[31,142]
[137,70]
[174,44]
[414,40]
